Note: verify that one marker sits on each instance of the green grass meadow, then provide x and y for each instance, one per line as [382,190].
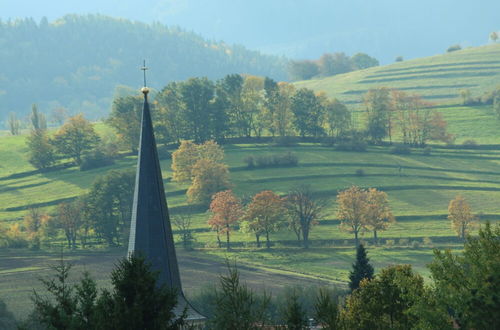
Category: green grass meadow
[419,187]
[438,78]
[419,197]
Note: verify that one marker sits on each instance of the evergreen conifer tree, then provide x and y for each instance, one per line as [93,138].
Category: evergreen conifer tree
[361,268]
[293,313]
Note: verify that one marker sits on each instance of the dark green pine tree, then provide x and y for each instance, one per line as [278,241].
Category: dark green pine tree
[136,300]
[361,269]
[293,313]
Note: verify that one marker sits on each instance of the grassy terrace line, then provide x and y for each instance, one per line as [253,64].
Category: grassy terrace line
[438,78]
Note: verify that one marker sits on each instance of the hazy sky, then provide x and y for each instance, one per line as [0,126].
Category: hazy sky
[302,29]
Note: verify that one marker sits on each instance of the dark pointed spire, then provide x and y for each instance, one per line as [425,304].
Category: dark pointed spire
[150,228]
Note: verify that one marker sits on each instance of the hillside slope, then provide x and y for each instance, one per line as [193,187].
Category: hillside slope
[78,61]
[437,78]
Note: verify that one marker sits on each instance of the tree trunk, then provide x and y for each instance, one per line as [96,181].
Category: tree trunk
[375,238]
[356,238]
[227,239]
[218,239]
[305,235]
[268,243]
[257,238]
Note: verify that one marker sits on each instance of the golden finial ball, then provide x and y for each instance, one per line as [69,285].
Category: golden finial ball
[145,90]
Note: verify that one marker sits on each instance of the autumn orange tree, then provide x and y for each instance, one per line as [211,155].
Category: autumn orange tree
[304,210]
[416,121]
[352,207]
[265,215]
[226,212]
[378,214]
[460,214]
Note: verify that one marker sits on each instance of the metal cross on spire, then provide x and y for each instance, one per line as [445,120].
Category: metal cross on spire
[144,68]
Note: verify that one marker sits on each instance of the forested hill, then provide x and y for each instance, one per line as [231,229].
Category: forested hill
[78,61]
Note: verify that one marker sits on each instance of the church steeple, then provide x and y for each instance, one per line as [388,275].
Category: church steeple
[150,228]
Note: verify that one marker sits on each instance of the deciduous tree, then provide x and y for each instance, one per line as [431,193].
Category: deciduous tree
[378,214]
[494,36]
[41,151]
[38,121]
[209,177]
[379,114]
[188,153]
[363,61]
[75,137]
[385,301]
[226,212]
[14,124]
[34,221]
[70,219]
[305,211]
[468,284]
[108,206]
[460,214]
[338,117]
[265,215]
[183,223]
[308,113]
[125,118]
[352,206]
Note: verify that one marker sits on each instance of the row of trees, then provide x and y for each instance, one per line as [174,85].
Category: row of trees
[329,65]
[390,111]
[74,139]
[103,214]
[244,106]
[462,293]
[299,211]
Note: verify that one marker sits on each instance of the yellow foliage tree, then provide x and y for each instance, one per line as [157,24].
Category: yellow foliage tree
[33,223]
[378,214]
[76,137]
[460,214]
[352,208]
[209,177]
[184,158]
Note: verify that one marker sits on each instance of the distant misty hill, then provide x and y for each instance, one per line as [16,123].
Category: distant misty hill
[77,62]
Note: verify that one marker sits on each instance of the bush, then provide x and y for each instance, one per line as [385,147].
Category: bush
[277,160]
[284,141]
[427,241]
[360,172]
[389,243]
[454,48]
[94,159]
[427,151]
[415,244]
[469,144]
[357,145]
[404,241]
[399,59]
[249,161]
[401,150]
